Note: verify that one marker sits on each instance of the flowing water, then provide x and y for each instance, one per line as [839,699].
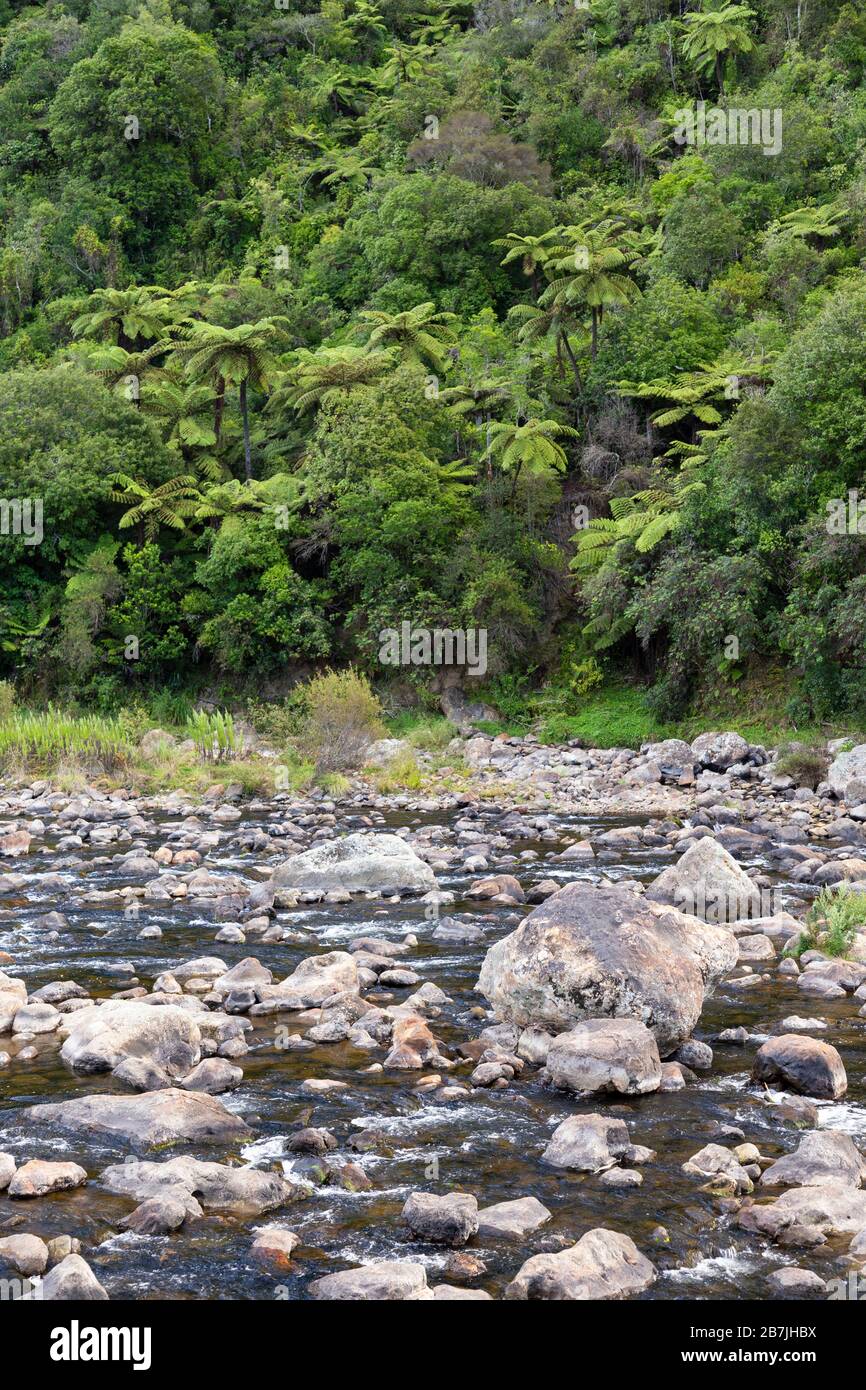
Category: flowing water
[488,1143]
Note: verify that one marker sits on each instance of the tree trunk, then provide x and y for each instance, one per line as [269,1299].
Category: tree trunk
[218,407]
[594,348]
[573,360]
[720,74]
[248,457]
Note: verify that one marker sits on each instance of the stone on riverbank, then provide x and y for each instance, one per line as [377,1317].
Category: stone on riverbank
[384,1281]
[707,883]
[314,981]
[833,1209]
[39,1177]
[72,1281]
[215,1186]
[821,1157]
[451,1219]
[512,1220]
[26,1255]
[587,1143]
[616,1055]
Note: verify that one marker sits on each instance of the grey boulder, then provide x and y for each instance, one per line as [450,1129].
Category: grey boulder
[604,952]
[360,862]
[602,1265]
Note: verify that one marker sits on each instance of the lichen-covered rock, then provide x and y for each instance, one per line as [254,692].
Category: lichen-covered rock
[617,1055]
[708,883]
[596,952]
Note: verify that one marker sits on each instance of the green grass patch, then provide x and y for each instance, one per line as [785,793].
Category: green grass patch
[613,717]
[421,729]
[832,922]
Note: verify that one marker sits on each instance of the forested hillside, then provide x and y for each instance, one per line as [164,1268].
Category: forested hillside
[541,319]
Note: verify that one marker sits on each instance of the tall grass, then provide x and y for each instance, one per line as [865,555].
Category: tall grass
[46,741]
[214,735]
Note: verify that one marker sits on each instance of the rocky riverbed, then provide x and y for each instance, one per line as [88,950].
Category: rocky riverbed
[535,1040]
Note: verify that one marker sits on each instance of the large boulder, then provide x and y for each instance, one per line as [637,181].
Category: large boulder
[847,767]
[99,1039]
[671,752]
[215,1186]
[360,863]
[618,1055]
[595,952]
[833,1208]
[450,1219]
[385,1281]
[587,1143]
[822,1156]
[802,1064]
[707,882]
[156,1117]
[718,751]
[602,1265]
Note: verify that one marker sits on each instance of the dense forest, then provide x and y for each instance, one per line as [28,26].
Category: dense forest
[545,319]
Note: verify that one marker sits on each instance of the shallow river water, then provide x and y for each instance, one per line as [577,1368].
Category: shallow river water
[489,1145]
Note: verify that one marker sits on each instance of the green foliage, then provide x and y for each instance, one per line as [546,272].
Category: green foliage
[286,360]
[50,740]
[832,923]
[616,718]
[807,766]
[214,735]
[343,718]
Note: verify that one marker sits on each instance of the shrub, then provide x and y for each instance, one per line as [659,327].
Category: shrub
[279,721]
[832,922]
[807,766]
[401,774]
[343,717]
[582,677]
[431,733]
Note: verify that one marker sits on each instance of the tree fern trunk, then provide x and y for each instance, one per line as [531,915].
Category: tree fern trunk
[248,456]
